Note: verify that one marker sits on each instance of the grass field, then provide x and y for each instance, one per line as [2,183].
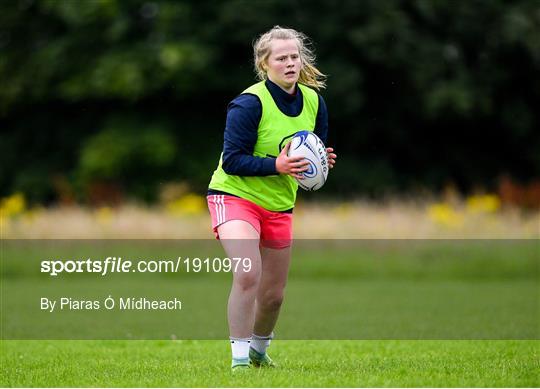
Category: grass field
[410,291]
[302,364]
[363,289]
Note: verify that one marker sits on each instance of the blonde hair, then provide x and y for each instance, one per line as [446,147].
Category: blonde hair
[309,75]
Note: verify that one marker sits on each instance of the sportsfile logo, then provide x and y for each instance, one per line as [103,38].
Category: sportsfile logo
[120,265]
[110,265]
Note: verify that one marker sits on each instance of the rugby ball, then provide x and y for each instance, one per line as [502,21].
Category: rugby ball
[308,145]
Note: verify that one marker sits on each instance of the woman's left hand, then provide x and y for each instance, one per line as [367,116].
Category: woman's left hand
[331,157]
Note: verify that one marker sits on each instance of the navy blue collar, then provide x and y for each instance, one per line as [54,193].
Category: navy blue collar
[279,93]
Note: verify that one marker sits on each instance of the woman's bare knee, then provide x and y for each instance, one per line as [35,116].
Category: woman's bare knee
[247,282]
[271,300]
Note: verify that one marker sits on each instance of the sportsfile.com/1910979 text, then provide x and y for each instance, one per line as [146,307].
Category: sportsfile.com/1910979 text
[119,265]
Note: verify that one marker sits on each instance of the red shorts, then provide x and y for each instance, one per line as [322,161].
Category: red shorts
[274,228]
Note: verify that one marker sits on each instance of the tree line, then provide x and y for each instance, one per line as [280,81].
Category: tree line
[115,98]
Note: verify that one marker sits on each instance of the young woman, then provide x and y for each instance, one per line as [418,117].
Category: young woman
[253,190]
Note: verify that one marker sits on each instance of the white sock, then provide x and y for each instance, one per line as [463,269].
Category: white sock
[261,343]
[240,349]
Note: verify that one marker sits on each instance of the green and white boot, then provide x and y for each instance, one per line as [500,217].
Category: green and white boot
[240,365]
[260,360]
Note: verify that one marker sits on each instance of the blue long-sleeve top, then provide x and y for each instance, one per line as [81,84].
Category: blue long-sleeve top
[241,129]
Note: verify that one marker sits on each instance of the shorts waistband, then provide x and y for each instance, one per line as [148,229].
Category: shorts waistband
[212,192]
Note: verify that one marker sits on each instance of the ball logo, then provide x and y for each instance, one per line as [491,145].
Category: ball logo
[302,137]
[308,145]
[312,169]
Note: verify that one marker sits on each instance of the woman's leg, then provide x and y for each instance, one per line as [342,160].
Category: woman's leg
[275,269]
[241,240]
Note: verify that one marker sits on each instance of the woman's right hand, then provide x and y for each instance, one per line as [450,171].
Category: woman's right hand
[293,166]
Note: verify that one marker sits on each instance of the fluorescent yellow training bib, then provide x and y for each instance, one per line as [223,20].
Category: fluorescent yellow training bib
[278,192]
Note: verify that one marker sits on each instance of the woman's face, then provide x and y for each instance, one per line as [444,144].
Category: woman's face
[283,64]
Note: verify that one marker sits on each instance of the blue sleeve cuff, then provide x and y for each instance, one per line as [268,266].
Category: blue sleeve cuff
[269,167]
